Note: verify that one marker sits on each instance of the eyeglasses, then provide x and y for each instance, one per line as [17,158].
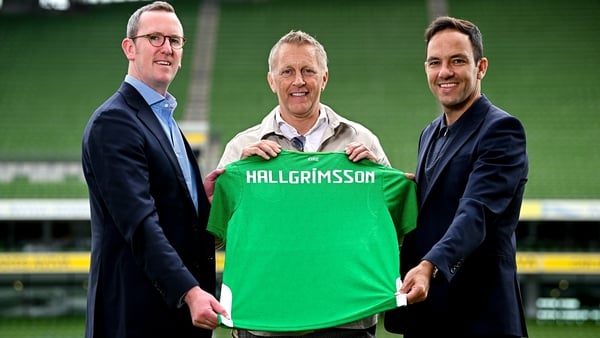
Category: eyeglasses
[158,39]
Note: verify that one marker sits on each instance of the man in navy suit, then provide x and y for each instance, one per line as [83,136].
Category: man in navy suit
[152,268]
[459,265]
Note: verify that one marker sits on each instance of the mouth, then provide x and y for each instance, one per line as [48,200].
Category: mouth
[164,63]
[299,94]
[448,85]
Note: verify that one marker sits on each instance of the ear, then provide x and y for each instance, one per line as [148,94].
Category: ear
[271,82]
[482,68]
[325,78]
[128,47]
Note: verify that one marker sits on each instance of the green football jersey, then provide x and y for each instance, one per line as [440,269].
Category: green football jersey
[311,239]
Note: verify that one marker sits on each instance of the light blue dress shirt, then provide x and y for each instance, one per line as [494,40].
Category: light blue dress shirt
[163,107]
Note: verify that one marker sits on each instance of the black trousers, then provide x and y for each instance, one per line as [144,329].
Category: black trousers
[449,334]
[322,333]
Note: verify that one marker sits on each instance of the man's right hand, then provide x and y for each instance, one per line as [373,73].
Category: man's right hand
[209,182]
[264,148]
[417,282]
[204,308]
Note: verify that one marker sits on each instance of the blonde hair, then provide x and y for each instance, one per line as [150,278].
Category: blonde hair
[298,38]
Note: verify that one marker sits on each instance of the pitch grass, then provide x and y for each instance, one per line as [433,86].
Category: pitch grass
[73,327]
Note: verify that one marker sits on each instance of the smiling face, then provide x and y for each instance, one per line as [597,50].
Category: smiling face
[155,66]
[298,78]
[452,73]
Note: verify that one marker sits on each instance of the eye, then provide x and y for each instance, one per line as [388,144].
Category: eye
[155,37]
[175,41]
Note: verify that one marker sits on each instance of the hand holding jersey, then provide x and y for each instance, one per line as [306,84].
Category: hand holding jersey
[325,263]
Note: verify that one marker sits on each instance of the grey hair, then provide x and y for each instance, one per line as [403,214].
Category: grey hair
[298,38]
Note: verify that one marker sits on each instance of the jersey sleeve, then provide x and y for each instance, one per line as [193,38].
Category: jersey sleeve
[225,199]
[400,194]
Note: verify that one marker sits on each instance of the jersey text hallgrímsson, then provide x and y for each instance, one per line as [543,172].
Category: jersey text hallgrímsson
[314,176]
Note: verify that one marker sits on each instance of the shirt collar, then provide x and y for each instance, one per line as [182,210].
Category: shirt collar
[162,105]
[290,132]
[150,95]
[443,128]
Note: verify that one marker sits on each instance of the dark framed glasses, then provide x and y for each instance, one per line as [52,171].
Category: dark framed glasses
[158,39]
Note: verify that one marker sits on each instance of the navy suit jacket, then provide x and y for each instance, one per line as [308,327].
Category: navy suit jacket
[468,214]
[149,245]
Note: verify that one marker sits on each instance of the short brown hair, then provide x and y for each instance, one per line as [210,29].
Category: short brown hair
[134,19]
[466,27]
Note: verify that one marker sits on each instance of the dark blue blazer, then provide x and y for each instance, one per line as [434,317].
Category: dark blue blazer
[149,245]
[468,214]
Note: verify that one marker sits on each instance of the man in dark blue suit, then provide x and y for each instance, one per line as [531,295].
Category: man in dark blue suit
[459,265]
[152,268]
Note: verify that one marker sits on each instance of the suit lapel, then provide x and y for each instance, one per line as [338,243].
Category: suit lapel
[147,117]
[203,204]
[425,145]
[469,125]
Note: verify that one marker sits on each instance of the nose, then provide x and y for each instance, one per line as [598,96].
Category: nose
[166,47]
[299,81]
[446,71]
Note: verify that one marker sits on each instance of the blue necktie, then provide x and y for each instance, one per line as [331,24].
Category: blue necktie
[298,142]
